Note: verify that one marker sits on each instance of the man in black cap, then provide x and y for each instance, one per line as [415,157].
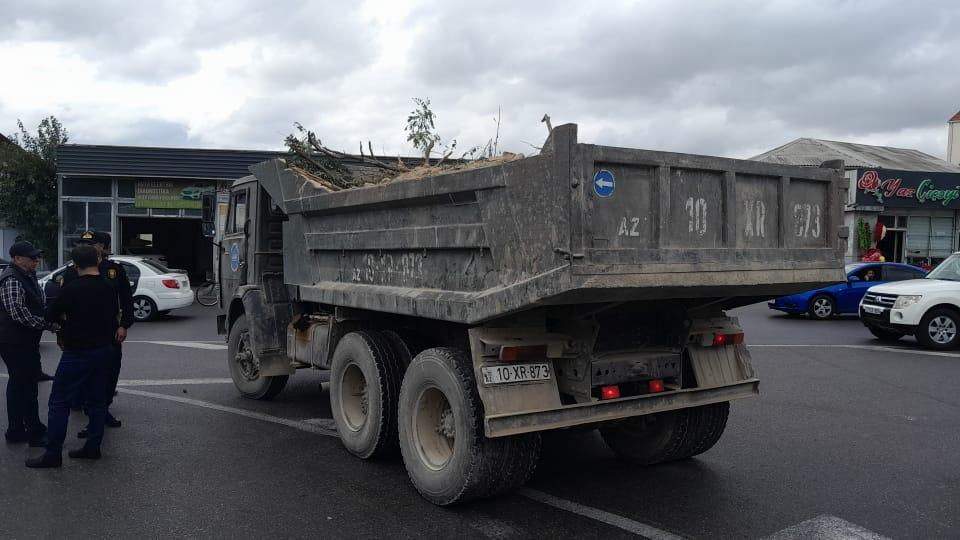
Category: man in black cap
[87,307]
[117,277]
[21,325]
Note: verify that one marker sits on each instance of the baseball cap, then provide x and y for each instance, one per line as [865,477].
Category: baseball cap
[24,249]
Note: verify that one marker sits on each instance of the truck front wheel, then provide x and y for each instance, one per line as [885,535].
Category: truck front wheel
[667,436]
[444,449]
[365,376]
[244,367]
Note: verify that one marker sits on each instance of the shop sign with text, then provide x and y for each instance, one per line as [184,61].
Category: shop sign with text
[170,194]
[907,189]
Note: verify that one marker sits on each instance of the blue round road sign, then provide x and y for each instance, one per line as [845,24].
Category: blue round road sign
[604,183]
[235,257]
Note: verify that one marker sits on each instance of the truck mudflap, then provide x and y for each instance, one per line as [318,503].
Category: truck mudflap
[502,425]
[268,314]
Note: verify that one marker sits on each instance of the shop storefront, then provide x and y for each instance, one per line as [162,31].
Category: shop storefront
[919,211]
[149,199]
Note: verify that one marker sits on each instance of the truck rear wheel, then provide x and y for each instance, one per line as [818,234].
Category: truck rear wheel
[365,376]
[667,436]
[244,368]
[446,454]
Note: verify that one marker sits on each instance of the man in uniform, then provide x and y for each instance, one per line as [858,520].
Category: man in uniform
[117,277]
[21,325]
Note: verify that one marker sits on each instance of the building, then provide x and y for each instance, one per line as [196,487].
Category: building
[916,196]
[149,199]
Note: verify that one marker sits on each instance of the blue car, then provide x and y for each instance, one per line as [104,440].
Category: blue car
[845,297]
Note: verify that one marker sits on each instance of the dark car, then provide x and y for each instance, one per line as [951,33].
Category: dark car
[844,298]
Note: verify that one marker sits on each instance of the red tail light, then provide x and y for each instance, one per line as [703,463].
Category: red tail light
[656,386]
[171,283]
[610,392]
[720,340]
[512,354]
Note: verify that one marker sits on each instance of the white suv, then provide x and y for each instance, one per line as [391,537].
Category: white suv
[928,308]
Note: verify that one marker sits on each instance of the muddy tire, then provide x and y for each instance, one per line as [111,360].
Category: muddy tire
[365,376]
[447,456]
[939,329]
[885,335]
[244,370]
[667,436]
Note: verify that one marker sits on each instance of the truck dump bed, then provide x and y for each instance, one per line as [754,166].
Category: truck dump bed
[577,224]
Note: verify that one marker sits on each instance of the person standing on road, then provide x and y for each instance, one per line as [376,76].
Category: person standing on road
[88,308]
[117,277]
[21,325]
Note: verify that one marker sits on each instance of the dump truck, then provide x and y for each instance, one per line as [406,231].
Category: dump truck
[462,314]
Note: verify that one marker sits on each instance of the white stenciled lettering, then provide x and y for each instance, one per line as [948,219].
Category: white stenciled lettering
[755,212]
[697,208]
[629,226]
[806,219]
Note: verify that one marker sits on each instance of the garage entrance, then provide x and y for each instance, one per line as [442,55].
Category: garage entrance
[175,241]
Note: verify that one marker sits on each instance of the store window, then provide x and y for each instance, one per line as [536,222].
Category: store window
[126,188]
[929,240]
[79,216]
[87,187]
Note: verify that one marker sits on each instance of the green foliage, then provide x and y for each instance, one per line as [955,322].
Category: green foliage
[421,129]
[863,235]
[28,182]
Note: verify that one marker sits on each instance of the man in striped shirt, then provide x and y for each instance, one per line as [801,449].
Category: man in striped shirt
[21,325]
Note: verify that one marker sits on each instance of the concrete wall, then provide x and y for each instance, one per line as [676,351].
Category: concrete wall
[953,143]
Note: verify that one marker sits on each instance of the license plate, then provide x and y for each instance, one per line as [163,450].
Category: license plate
[516,374]
[876,310]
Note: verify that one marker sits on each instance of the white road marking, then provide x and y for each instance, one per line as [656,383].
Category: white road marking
[826,527]
[596,514]
[171,382]
[863,347]
[189,344]
[324,426]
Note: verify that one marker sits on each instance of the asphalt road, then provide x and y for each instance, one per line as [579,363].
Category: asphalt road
[848,433]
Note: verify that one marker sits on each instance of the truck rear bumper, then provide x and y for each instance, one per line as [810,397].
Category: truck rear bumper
[601,411]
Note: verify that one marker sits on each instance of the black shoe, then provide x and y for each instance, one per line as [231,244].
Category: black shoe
[16,438]
[84,453]
[38,442]
[46,461]
[83,433]
[44,377]
[112,422]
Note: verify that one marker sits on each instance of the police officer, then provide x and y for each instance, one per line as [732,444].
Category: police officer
[117,277]
[21,324]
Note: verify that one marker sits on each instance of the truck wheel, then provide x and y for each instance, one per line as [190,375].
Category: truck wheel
[822,307]
[365,377]
[667,436]
[885,335]
[244,367]
[939,329]
[446,454]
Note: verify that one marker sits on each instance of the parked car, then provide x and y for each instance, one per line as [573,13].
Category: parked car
[843,298]
[927,308]
[156,288]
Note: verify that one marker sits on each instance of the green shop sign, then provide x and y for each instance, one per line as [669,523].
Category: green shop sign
[170,194]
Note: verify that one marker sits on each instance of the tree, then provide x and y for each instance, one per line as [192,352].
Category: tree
[28,182]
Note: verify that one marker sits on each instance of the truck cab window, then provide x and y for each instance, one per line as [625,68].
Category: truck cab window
[238,211]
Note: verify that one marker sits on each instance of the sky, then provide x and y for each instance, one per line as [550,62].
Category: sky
[721,78]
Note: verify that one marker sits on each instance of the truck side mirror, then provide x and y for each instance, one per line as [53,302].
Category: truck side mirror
[208,215]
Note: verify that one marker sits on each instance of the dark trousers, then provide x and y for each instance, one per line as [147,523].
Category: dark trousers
[23,363]
[113,376]
[79,371]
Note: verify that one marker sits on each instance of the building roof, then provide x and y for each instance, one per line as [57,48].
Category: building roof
[145,162]
[813,152]
[955,118]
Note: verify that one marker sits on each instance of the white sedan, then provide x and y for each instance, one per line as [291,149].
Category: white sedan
[156,288]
